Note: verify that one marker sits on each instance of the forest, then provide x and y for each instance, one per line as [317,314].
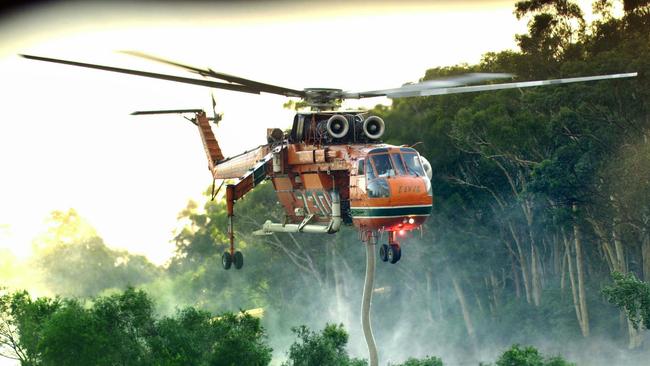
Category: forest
[537,251]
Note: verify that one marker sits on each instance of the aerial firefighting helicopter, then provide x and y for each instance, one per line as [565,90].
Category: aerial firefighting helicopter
[331,169]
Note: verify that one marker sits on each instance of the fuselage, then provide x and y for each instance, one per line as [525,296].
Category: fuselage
[377,186]
[381,187]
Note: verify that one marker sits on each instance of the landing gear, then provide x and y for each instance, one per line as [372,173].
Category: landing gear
[238,260]
[231,256]
[383,252]
[390,252]
[226,260]
[394,253]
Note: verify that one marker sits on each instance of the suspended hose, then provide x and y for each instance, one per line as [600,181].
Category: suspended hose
[367,297]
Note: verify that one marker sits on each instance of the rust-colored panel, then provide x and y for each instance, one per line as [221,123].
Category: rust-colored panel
[210,144]
[301,157]
[319,156]
[282,184]
[316,181]
[287,201]
[322,167]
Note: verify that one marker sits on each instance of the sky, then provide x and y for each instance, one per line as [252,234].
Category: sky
[67,139]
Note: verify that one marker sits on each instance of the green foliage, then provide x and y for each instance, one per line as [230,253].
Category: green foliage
[122,329]
[528,356]
[631,294]
[518,356]
[427,361]
[22,323]
[325,348]
[240,342]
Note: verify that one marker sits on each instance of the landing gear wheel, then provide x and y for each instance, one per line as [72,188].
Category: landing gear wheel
[383,252]
[226,260]
[238,260]
[394,253]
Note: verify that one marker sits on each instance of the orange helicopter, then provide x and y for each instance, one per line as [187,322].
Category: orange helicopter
[331,169]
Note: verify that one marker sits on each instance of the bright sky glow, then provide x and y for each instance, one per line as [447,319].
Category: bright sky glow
[66,137]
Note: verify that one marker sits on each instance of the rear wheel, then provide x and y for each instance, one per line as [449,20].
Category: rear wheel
[226,260]
[238,260]
[394,253]
[383,253]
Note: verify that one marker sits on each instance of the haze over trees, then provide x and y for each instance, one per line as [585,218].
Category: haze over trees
[541,195]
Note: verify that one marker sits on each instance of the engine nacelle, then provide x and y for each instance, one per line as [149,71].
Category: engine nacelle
[374,127]
[338,126]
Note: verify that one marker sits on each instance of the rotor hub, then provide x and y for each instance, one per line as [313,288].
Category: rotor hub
[323,98]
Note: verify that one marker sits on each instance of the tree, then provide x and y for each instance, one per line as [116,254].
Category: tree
[427,361]
[528,356]
[632,295]
[326,348]
[21,323]
[74,261]
[121,329]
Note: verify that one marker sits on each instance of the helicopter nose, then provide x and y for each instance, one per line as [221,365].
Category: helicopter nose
[411,202]
[410,191]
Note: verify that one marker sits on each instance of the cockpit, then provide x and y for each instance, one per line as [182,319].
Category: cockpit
[382,164]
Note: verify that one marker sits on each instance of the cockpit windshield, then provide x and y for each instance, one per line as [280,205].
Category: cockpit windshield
[397,162]
[382,165]
[413,166]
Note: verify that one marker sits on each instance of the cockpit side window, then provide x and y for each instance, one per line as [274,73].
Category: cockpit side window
[413,164]
[370,172]
[360,169]
[382,165]
[397,162]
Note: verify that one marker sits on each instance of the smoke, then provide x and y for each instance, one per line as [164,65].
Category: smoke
[416,310]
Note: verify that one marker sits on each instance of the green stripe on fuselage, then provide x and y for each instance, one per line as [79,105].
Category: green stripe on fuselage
[390,211]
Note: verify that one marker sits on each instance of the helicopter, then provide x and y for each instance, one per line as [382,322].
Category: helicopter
[332,168]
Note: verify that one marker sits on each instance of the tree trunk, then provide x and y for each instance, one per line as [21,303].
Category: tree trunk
[635,336]
[515,277]
[574,288]
[465,311]
[581,278]
[495,292]
[563,271]
[537,291]
[429,278]
[645,253]
[522,263]
[621,263]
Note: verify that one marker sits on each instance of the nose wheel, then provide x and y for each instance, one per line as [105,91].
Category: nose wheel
[390,252]
[394,253]
[383,253]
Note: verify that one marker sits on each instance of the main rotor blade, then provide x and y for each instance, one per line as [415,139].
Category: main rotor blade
[453,81]
[208,83]
[409,91]
[267,88]
[523,84]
